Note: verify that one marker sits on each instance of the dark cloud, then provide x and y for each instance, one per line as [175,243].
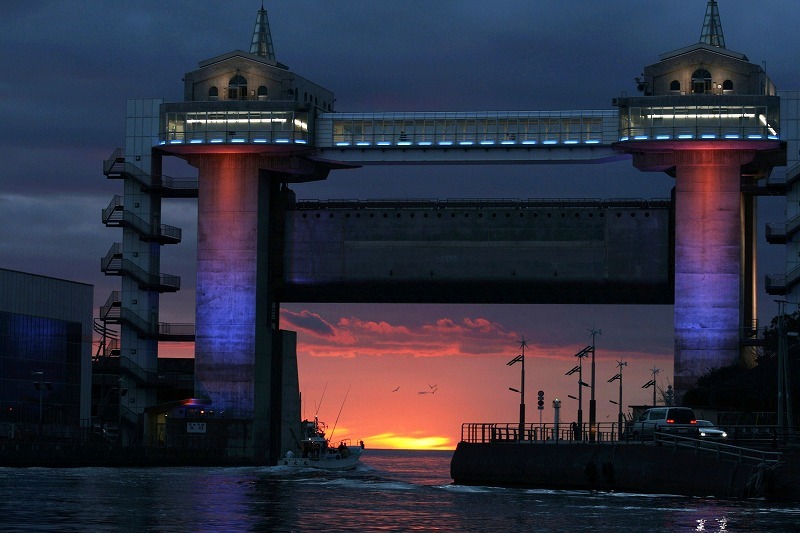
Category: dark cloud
[69,68]
[310,322]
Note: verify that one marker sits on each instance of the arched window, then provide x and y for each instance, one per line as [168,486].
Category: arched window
[675,85]
[237,88]
[727,86]
[262,92]
[213,93]
[701,81]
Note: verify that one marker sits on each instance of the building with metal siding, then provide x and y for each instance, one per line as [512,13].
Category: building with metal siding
[45,354]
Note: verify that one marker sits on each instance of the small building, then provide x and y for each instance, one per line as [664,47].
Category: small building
[45,356]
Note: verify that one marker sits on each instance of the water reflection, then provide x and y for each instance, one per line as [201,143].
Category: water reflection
[393,491]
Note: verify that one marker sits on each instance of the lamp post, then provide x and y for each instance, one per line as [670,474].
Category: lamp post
[592,403]
[520,358]
[579,369]
[652,383]
[40,386]
[618,376]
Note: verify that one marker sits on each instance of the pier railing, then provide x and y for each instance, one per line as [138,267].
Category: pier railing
[493,432]
[715,449]
[483,432]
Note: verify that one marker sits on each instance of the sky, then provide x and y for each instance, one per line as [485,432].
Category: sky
[71,66]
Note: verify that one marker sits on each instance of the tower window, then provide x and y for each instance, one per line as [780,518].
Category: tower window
[237,88]
[262,92]
[213,93]
[701,81]
[675,85]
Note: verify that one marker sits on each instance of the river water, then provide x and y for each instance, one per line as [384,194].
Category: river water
[390,491]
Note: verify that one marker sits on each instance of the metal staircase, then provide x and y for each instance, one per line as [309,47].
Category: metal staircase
[114,263]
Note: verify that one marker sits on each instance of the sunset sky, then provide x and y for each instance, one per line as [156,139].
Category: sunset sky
[71,66]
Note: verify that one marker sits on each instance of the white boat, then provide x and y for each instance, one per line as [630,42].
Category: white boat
[316,451]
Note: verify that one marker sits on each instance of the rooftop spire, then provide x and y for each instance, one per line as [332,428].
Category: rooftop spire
[262,38]
[712,27]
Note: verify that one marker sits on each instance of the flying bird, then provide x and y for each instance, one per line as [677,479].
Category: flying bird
[397,389]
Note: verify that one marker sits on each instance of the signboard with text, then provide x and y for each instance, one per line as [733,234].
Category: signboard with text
[195,427]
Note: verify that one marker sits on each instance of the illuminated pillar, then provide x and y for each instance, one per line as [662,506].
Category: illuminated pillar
[708,261]
[233,341]
[714,251]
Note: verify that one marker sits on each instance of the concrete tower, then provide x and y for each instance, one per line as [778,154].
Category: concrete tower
[709,118]
[247,124]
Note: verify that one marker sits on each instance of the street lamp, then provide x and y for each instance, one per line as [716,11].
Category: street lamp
[784,390]
[520,358]
[652,383]
[618,376]
[40,386]
[579,369]
[592,404]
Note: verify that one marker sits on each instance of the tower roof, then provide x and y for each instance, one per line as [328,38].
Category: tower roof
[712,27]
[261,44]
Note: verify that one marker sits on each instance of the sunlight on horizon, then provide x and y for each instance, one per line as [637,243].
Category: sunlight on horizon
[391,441]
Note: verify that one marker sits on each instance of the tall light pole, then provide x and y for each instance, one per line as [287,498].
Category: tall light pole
[592,403]
[520,358]
[652,383]
[620,364]
[40,386]
[579,369]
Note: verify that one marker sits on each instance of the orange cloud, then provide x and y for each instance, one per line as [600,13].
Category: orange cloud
[353,337]
[316,326]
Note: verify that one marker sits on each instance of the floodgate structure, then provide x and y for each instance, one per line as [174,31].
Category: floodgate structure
[252,127]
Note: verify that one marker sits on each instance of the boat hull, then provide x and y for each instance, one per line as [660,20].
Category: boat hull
[325,462]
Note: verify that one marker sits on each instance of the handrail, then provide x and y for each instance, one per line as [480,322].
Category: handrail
[140,375]
[116,165]
[484,432]
[116,215]
[513,203]
[146,280]
[494,432]
[113,301]
[792,173]
[114,206]
[115,252]
[719,450]
[175,329]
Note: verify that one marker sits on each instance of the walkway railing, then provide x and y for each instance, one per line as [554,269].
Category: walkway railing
[477,432]
[716,449]
[482,433]
[467,129]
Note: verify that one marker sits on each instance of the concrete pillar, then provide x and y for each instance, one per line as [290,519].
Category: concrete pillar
[233,342]
[709,261]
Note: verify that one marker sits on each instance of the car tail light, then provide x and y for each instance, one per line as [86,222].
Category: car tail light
[670,421]
[693,422]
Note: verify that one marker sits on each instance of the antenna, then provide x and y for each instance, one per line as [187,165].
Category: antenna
[320,399]
[340,412]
